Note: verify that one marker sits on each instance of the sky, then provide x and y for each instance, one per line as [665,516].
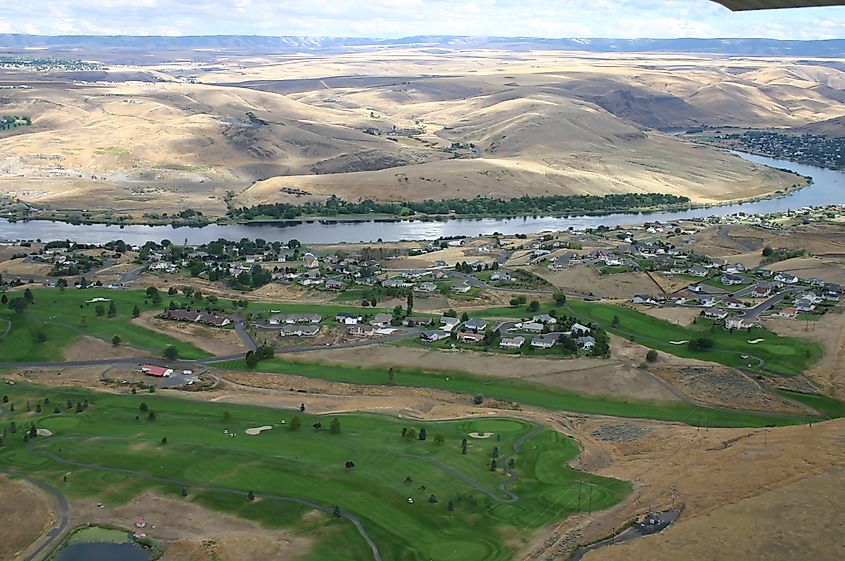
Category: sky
[402,18]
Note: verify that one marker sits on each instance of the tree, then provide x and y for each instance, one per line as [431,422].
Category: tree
[136,311]
[422,434]
[69,404]
[18,305]
[151,291]
[184,492]
[112,309]
[336,512]
[450,507]
[411,435]
[4,299]
[170,352]
[391,375]
[295,423]
[478,399]
[534,306]
[518,301]
[227,417]
[100,310]
[251,359]
[615,321]
[560,298]
[163,440]
[152,416]
[40,336]
[410,302]
[651,356]
[768,251]
[464,447]
[116,340]
[13,427]
[334,426]
[27,294]
[464,316]
[432,498]
[493,464]
[250,496]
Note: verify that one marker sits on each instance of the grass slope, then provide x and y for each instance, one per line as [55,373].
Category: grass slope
[309,464]
[515,390]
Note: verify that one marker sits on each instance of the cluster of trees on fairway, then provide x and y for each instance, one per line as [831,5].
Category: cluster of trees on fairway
[18,304]
[553,204]
[700,344]
[263,352]
[772,255]
[41,406]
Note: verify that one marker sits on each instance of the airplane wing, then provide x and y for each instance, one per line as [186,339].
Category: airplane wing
[743,5]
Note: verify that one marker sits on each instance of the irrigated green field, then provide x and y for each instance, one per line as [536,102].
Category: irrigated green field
[58,315]
[459,508]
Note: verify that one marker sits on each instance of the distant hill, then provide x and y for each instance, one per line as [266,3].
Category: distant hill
[830,127]
[11,42]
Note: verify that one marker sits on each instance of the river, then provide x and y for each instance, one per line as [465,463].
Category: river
[828,188]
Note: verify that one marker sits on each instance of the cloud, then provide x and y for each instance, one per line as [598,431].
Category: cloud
[398,18]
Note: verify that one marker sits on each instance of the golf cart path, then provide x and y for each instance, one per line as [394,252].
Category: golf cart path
[64,512]
[512,476]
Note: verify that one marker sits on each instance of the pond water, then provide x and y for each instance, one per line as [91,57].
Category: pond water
[828,188]
[101,551]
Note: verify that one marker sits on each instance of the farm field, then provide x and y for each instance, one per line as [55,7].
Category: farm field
[528,394]
[113,451]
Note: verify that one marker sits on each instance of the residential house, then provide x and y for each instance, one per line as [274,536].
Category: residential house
[347,318]
[695,288]
[734,303]
[334,283]
[474,325]
[448,323]
[156,371]
[731,279]
[804,305]
[470,337]
[462,288]
[761,291]
[546,341]
[360,330]
[531,326]
[414,321]
[425,287]
[512,342]
[737,322]
[544,318]
[587,342]
[501,277]
[786,278]
[734,268]
[430,335]
[381,320]
[706,301]
[310,260]
[396,283]
[299,330]
[788,312]
[643,299]
[277,319]
[579,328]
[715,313]
[697,271]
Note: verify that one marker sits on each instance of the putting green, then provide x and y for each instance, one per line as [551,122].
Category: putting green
[59,423]
[494,425]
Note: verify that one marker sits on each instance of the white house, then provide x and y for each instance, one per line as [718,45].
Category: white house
[310,260]
[512,342]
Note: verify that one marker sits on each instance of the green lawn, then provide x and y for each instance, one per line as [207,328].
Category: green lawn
[781,355]
[825,405]
[58,316]
[309,464]
[516,390]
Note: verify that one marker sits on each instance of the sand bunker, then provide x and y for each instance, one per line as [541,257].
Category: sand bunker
[755,341]
[678,342]
[94,300]
[43,432]
[481,434]
[257,430]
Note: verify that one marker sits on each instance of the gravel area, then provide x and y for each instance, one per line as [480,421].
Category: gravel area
[621,433]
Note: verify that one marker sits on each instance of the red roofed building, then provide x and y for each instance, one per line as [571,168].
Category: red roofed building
[156,371]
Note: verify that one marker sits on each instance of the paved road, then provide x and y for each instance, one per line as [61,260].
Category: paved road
[64,513]
[149,477]
[246,338]
[662,520]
